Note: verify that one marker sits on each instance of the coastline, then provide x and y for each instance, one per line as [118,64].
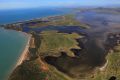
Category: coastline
[24,54]
[34,19]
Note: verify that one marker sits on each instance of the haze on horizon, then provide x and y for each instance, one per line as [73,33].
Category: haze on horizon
[15,4]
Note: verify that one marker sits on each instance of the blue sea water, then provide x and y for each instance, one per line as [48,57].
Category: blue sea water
[11,16]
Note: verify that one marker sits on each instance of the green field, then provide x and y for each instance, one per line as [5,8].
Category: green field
[67,20]
[52,43]
[30,70]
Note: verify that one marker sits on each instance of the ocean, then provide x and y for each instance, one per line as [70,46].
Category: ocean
[12,42]
[11,16]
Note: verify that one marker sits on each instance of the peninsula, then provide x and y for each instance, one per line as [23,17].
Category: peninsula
[69,47]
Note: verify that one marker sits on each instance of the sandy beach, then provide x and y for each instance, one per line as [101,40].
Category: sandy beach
[25,52]
[23,56]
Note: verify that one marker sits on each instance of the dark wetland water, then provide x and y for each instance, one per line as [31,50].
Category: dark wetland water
[93,51]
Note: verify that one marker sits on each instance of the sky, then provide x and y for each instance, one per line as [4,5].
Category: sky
[14,4]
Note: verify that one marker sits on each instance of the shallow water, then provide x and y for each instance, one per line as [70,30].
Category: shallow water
[12,44]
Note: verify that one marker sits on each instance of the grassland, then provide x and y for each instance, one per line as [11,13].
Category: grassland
[53,43]
[54,74]
[66,20]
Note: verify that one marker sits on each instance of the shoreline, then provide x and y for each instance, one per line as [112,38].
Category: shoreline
[29,20]
[24,55]
[102,68]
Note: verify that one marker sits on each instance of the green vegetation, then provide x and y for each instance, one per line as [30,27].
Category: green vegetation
[53,43]
[67,20]
[113,67]
[36,68]
[29,70]
[33,70]
[54,74]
